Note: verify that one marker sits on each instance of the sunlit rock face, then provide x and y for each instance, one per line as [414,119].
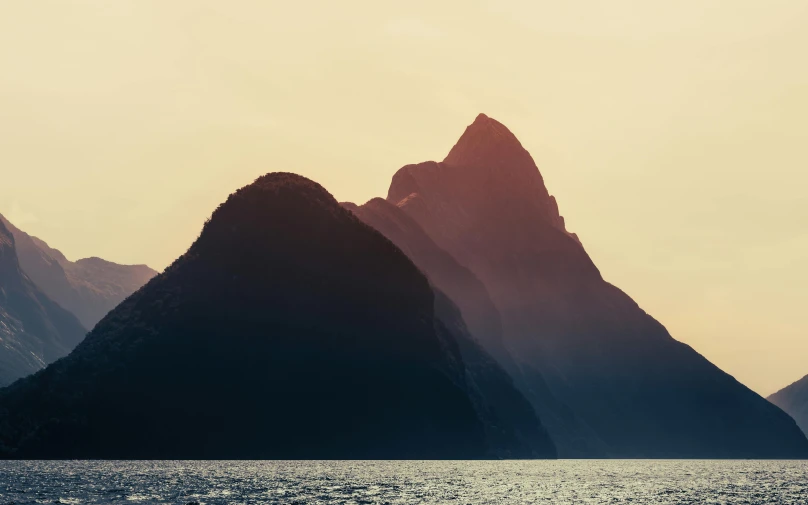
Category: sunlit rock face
[794,401]
[89,287]
[636,389]
[289,330]
[34,330]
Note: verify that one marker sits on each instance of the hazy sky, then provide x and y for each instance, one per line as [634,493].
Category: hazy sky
[673,133]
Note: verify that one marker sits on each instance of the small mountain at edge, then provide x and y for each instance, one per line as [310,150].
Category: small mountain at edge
[793,400]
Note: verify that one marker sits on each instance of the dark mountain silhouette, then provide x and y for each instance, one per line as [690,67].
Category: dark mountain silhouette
[572,436]
[290,329]
[793,400]
[34,331]
[641,392]
[89,288]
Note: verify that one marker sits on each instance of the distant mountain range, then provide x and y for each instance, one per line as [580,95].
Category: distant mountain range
[794,401]
[89,288]
[606,378]
[34,331]
[290,329]
[457,318]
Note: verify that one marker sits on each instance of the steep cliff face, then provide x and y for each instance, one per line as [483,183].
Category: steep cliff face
[34,330]
[289,329]
[89,288]
[793,400]
[572,436]
[641,392]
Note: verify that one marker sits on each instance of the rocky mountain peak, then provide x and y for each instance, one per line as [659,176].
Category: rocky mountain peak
[487,175]
[487,143]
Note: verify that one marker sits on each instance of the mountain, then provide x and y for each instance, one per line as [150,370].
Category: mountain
[793,400]
[572,436]
[290,329]
[34,331]
[642,393]
[458,282]
[89,288]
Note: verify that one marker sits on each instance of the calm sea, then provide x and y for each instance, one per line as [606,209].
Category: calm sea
[396,482]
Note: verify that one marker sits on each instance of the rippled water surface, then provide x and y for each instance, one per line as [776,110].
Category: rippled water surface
[373,482]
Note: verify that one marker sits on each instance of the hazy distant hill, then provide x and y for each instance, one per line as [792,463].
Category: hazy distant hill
[290,329]
[89,287]
[641,392]
[34,330]
[794,400]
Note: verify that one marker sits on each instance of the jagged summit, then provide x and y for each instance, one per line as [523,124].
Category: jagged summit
[490,174]
[487,143]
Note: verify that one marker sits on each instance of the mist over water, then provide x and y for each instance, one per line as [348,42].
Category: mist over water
[405,482]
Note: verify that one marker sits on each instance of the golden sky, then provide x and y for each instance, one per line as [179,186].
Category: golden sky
[673,133]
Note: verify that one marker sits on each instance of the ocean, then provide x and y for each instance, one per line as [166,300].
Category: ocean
[405,482]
